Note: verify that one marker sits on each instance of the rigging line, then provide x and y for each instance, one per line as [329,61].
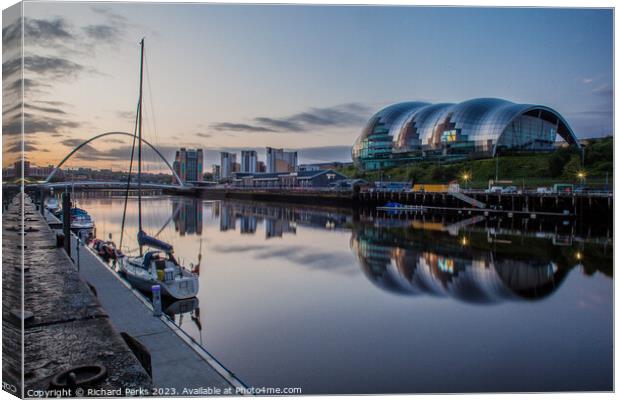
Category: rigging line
[148,82]
[133,146]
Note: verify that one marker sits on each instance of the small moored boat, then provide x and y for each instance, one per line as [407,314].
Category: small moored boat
[160,268]
[80,219]
[157,266]
[106,249]
[52,205]
[393,206]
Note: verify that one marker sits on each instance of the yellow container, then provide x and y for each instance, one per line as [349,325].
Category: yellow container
[430,188]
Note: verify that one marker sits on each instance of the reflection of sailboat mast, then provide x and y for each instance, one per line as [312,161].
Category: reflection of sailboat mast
[195,316]
[197,269]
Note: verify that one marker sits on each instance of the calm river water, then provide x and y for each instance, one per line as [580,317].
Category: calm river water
[333,301]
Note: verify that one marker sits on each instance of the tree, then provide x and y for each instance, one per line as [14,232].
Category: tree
[557,161]
[415,174]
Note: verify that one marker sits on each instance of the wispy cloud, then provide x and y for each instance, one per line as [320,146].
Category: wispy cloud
[56,67]
[102,32]
[47,31]
[36,124]
[126,115]
[35,107]
[237,127]
[315,118]
[603,90]
[28,146]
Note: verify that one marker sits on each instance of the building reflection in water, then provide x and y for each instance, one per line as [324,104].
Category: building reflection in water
[227,218]
[278,221]
[449,267]
[277,227]
[187,216]
[248,224]
[474,259]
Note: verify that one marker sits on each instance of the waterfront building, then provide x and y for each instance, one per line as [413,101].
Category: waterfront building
[261,167]
[227,164]
[322,166]
[215,172]
[188,164]
[29,171]
[479,128]
[304,179]
[249,161]
[279,160]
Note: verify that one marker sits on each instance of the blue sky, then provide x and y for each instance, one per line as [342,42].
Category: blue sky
[303,77]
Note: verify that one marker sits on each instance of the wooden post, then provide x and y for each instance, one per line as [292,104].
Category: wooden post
[66,220]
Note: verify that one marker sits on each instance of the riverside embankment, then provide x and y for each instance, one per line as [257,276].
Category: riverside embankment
[78,311]
[597,206]
[63,324]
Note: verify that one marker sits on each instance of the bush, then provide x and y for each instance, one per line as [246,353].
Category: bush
[557,162]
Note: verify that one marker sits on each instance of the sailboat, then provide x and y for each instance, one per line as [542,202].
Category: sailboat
[51,203]
[156,266]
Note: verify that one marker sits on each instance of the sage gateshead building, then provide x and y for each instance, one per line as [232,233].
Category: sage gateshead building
[478,128]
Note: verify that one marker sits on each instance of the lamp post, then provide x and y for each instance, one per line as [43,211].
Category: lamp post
[582,177]
[466,177]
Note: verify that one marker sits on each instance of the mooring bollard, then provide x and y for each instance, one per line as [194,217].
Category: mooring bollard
[66,221]
[156,290]
[77,251]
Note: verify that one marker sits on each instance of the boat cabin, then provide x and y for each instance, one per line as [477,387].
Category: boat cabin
[162,265]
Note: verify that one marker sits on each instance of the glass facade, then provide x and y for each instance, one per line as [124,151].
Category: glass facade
[475,128]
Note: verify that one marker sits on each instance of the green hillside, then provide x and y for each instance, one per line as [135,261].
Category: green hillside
[529,169]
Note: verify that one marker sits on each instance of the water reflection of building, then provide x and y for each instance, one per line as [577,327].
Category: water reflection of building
[278,220]
[248,224]
[446,269]
[277,227]
[187,216]
[227,218]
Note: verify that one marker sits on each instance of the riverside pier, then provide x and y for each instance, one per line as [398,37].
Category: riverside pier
[599,206]
[78,311]
[64,325]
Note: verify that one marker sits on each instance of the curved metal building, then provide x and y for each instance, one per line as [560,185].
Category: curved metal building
[477,128]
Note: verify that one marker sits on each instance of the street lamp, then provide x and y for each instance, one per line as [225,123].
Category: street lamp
[466,177]
[582,176]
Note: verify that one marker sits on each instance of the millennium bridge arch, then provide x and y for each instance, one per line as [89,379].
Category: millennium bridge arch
[68,156]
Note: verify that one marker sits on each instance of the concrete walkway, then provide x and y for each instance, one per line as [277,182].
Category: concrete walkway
[180,366]
[62,323]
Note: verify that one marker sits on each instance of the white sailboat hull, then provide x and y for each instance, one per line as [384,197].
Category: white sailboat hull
[149,270]
[183,286]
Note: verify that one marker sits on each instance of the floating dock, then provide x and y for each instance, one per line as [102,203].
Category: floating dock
[181,367]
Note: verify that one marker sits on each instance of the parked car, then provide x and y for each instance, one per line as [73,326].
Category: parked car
[494,189]
[509,189]
[544,190]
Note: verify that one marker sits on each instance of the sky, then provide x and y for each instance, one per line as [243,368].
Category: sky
[232,77]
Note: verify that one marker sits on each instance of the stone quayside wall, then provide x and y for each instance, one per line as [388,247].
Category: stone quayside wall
[64,324]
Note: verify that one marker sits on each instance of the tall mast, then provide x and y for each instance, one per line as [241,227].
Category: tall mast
[140,141]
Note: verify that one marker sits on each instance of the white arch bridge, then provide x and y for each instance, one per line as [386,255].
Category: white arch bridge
[113,184]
